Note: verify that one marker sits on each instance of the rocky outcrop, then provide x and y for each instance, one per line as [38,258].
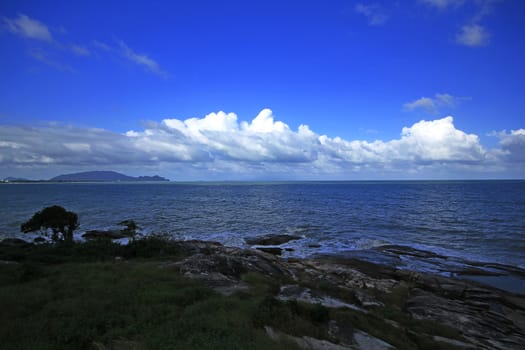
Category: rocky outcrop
[404,306]
[359,341]
[221,267]
[129,230]
[271,239]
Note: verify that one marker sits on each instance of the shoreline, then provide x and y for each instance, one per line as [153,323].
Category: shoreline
[510,278]
[356,301]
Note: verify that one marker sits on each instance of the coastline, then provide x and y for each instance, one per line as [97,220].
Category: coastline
[363,299]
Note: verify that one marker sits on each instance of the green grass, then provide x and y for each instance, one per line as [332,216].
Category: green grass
[82,305]
[79,296]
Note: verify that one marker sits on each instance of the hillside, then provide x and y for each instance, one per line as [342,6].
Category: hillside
[103,176]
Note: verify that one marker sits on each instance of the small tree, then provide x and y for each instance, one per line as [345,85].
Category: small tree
[56,218]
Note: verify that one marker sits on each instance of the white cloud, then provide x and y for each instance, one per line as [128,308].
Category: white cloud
[141,59]
[433,105]
[101,45]
[47,57]
[373,12]
[28,28]
[219,145]
[443,4]
[262,139]
[473,35]
[80,50]
[423,142]
[513,145]
[439,140]
[425,103]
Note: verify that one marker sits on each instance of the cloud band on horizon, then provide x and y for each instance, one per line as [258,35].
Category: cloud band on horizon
[219,144]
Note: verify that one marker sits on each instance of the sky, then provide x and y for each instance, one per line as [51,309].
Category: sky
[263,90]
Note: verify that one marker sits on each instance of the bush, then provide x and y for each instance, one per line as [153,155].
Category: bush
[61,222]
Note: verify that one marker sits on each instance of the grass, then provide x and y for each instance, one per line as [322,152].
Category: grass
[82,305]
[79,296]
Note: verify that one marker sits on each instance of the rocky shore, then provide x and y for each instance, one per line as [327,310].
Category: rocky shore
[391,297]
[378,301]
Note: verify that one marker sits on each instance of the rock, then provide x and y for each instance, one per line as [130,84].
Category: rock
[271,250]
[195,246]
[398,250]
[365,341]
[475,321]
[128,223]
[131,227]
[306,295]
[367,300]
[304,342]
[453,342]
[234,262]
[348,273]
[271,239]
[222,267]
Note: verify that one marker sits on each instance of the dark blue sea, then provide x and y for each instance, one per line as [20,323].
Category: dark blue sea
[476,220]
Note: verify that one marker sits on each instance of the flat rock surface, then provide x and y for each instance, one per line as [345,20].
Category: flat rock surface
[478,315]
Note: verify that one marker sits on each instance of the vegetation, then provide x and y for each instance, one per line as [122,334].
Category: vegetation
[106,296]
[102,295]
[61,222]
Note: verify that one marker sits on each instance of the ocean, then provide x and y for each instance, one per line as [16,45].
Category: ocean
[475,220]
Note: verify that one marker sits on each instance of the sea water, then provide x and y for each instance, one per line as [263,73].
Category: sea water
[476,220]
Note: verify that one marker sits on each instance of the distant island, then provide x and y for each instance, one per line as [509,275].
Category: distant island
[104,176]
[92,176]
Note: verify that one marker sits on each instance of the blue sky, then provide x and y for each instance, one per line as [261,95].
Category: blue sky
[226,90]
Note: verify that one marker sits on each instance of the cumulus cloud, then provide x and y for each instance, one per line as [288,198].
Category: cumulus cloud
[219,144]
[513,145]
[473,35]
[423,142]
[28,28]
[262,139]
[433,105]
[373,12]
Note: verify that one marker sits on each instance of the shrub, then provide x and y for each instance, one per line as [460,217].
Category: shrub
[61,222]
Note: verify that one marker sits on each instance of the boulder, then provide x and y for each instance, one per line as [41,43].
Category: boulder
[221,268]
[234,262]
[271,250]
[271,239]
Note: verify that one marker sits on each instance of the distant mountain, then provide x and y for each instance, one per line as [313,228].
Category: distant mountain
[102,176]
